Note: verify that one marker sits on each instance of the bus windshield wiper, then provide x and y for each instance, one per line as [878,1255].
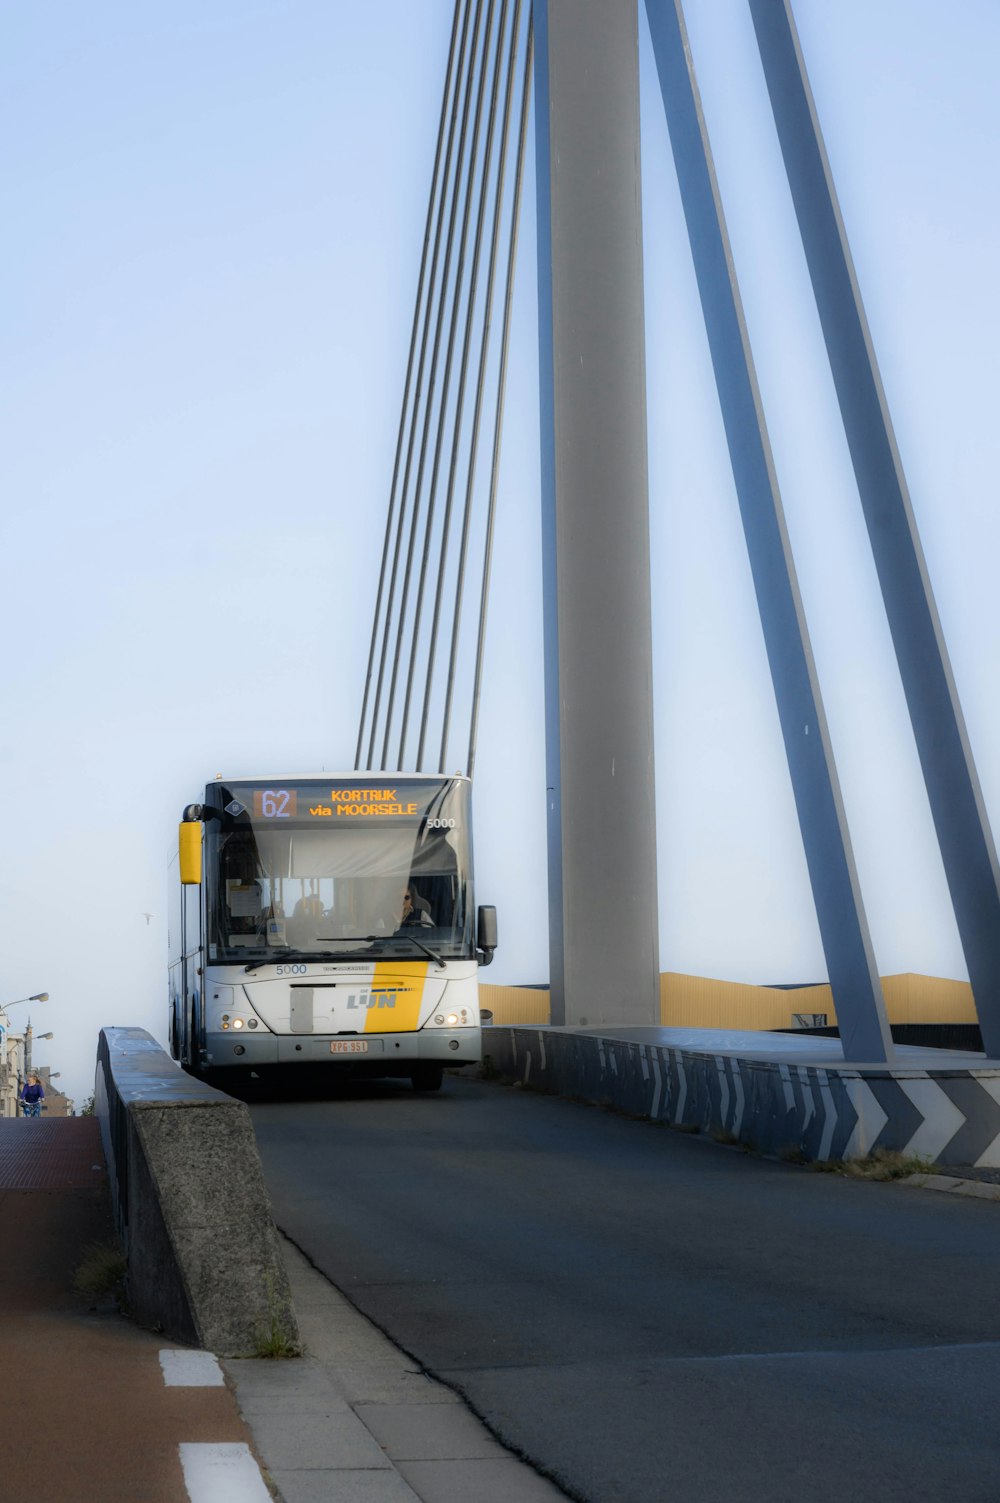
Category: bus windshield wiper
[421,946]
[278,950]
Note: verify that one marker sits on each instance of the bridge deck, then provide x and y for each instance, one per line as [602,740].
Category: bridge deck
[790,1048]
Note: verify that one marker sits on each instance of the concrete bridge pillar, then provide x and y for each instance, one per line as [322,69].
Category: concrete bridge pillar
[598,642]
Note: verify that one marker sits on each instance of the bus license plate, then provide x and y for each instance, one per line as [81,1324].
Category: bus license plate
[349,1046]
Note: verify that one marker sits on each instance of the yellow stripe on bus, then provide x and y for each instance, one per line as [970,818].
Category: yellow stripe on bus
[396,994]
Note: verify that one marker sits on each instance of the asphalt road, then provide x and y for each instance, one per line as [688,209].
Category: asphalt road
[645,1315]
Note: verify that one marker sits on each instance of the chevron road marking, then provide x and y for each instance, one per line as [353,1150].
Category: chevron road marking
[786,1086]
[740,1098]
[808,1099]
[871,1118]
[829,1115]
[659,1085]
[682,1089]
[942,1118]
[990,1157]
[720,1065]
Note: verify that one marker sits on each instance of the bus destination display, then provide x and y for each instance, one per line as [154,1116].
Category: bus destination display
[332,803]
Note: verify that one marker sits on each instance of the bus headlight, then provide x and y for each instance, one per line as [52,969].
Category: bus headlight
[457,1019]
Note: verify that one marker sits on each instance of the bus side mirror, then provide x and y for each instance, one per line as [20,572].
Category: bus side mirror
[189,851]
[486,934]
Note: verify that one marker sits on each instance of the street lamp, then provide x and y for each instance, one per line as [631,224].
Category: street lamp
[38,997]
[27,1046]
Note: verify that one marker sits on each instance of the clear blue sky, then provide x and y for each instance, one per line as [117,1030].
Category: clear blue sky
[214,216]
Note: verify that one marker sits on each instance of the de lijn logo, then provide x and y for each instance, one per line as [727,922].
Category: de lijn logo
[374,997]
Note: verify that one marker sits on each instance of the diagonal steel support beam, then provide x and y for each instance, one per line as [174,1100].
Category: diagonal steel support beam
[960,820]
[843,927]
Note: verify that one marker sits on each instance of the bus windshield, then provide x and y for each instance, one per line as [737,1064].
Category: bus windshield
[309,871]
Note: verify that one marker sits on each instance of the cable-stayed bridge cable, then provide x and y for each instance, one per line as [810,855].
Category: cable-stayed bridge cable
[425,434]
[458,92]
[484,353]
[409,375]
[498,420]
[453,325]
[470,302]
[471,185]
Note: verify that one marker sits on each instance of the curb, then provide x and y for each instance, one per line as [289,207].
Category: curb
[981,1189]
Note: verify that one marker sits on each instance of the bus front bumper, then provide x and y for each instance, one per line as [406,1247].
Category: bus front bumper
[392,1053]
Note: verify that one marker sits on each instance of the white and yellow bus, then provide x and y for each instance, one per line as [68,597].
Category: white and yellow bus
[328,920]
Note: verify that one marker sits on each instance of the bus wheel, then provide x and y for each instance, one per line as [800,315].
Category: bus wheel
[427,1077]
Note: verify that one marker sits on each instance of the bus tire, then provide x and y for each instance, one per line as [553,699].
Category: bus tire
[427,1077]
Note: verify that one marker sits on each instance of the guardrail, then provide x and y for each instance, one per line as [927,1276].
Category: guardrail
[190,1203]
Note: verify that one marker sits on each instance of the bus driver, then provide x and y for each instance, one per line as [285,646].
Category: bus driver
[416,911]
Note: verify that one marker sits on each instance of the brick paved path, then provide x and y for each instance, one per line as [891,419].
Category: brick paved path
[50,1153]
[87,1417]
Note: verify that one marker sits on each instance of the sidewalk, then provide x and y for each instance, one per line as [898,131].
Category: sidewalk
[355,1421]
[98,1411]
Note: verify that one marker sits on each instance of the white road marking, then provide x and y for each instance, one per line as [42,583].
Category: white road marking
[222,1474]
[191,1369]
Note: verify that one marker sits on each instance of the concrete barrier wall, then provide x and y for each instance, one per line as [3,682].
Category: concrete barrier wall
[204,1260]
[950,1116]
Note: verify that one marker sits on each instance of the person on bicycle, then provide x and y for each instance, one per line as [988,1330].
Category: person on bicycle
[32,1096]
